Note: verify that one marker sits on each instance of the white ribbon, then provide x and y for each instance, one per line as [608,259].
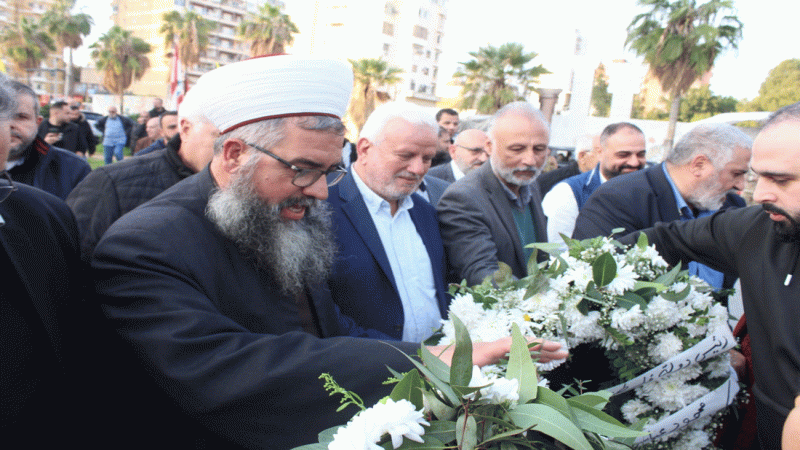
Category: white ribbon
[706,405]
[720,341]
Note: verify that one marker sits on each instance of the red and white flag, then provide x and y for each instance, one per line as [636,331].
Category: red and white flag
[176,78]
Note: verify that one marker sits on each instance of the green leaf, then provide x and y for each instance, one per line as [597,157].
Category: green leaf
[521,366]
[596,421]
[409,388]
[617,230]
[439,409]
[431,443]
[594,399]
[326,436]
[547,420]
[642,242]
[604,269]
[533,264]
[433,379]
[547,247]
[466,432]
[677,296]
[669,278]
[619,337]
[461,365]
[552,399]
[630,299]
[503,274]
[316,446]
[443,430]
[435,365]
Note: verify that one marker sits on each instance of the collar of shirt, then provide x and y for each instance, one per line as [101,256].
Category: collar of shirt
[596,170]
[520,201]
[683,208]
[376,204]
[17,162]
[457,173]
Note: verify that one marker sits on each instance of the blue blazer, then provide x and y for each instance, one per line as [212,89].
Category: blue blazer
[362,283]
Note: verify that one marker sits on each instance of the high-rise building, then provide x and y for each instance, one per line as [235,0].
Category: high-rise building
[48,79]
[406,33]
[144,18]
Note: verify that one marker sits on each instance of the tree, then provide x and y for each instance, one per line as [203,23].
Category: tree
[269,31]
[122,57]
[369,75]
[780,88]
[68,30]
[497,76]
[26,45]
[700,103]
[680,40]
[601,98]
[190,32]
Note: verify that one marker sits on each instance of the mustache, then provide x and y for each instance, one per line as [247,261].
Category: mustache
[525,169]
[774,209]
[405,174]
[307,202]
[626,166]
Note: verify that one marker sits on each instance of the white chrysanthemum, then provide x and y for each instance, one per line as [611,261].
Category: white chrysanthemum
[660,314]
[694,329]
[668,345]
[583,328]
[633,409]
[653,257]
[498,390]
[720,366]
[699,300]
[671,393]
[692,440]
[398,419]
[580,273]
[624,281]
[627,319]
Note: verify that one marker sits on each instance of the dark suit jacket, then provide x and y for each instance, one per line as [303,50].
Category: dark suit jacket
[443,171]
[215,333]
[478,226]
[435,188]
[362,283]
[43,351]
[634,201]
[547,180]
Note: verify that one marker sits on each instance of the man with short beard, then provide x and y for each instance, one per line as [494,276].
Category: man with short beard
[698,177]
[621,151]
[217,285]
[33,161]
[761,245]
[468,152]
[389,275]
[491,214]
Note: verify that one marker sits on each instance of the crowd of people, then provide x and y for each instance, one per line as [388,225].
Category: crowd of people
[190,296]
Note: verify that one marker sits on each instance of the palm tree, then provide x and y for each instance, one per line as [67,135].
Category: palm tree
[26,45]
[680,41]
[68,30]
[497,76]
[122,57]
[369,75]
[269,31]
[190,32]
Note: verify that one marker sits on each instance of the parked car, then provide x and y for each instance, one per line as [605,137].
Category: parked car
[92,118]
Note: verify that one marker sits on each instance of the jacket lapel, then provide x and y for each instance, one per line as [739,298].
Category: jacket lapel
[499,201]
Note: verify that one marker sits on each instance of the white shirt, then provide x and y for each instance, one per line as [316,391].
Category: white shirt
[457,173]
[409,261]
[561,209]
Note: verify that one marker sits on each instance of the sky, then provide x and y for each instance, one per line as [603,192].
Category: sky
[548,28]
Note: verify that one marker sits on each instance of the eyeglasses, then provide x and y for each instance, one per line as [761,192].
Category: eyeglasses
[74,108]
[306,177]
[6,189]
[476,150]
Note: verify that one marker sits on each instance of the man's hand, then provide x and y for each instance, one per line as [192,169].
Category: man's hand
[52,138]
[485,353]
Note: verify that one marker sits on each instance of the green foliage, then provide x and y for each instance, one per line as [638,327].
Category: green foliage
[348,397]
[26,44]
[601,98]
[497,76]
[122,57]
[780,88]
[268,30]
[700,103]
[190,31]
[369,74]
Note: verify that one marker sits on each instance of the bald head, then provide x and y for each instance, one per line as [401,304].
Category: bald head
[469,149]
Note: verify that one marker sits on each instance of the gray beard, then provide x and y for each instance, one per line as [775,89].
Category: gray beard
[296,253]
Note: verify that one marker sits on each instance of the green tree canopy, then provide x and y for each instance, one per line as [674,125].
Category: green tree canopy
[122,57]
[680,40]
[68,30]
[601,98]
[26,44]
[191,33]
[780,88]
[700,103]
[497,76]
[369,75]
[268,30]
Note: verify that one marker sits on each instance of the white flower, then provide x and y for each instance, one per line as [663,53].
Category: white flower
[671,393]
[498,390]
[398,419]
[668,345]
[660,314]
[692,440]
[633,409]
[627,319]
[624,281]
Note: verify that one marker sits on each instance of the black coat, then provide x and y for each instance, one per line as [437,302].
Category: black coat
[71,137]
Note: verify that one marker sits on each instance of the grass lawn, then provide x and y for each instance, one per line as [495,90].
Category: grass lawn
[98,159]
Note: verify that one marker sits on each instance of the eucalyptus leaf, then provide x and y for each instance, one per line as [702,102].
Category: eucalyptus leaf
[443,430]
[630,299]
[461,365]
[596,421]
[554,400]
[677,296]
[325,436]
[435,365]
[409,388]
[431,443]
[437,382]
[439,409]
[597,399]
[503,274]
[642,242]
[645,288]
[617,230]
[552,248]
[466,432]
[668,278]
[316,446]
[521,366]
[604,269]
[547,420]
[533,264]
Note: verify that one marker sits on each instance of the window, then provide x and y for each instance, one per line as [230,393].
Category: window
[423,13]
[386,49]
[420,32]
[414,68]
[412,85]
[388,29]
[417,49]
[423,88]
[425,71]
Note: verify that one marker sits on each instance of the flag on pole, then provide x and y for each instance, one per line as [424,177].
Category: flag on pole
[176,78]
